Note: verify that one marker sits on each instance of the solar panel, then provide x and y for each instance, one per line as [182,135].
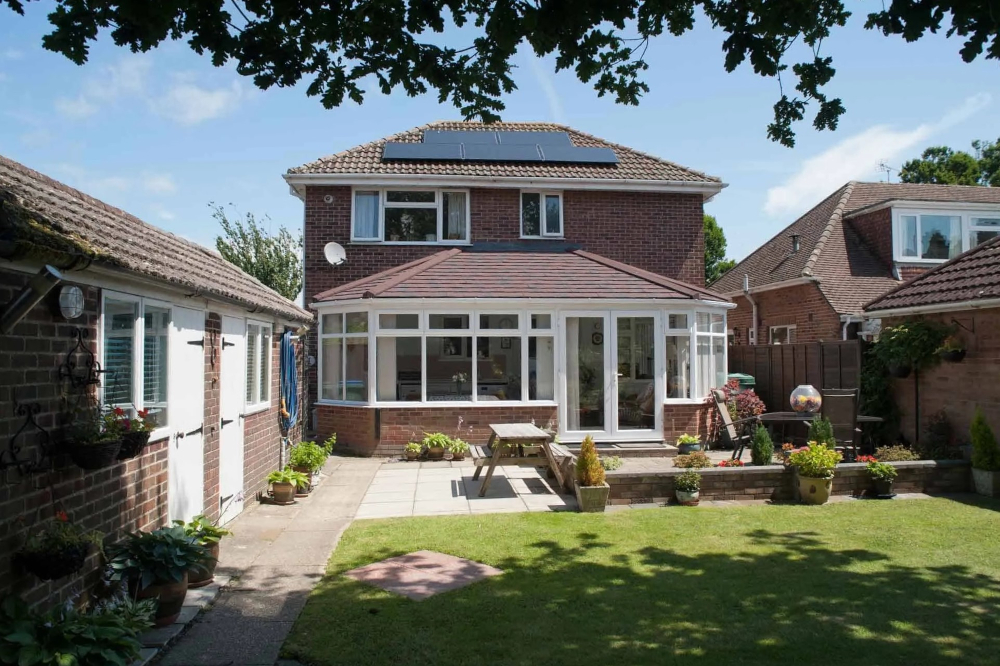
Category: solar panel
[579,155]
[541,138]
[422,151]
[450,136]
[502,153]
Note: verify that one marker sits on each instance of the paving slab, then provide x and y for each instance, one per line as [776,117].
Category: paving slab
[391,496]
[247,642]
[436,507]
[422,574]
[385,510]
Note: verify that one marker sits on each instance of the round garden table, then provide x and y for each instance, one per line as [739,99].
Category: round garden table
[776,420]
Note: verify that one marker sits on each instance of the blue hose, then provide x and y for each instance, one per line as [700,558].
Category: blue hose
[289,384]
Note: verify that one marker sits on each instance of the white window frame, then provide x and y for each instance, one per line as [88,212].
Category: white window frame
[138,352]
[343,336]
[542,226]
[692,355]
[702,392]
[252,407]
[966,227]
[438,205]
[790,333]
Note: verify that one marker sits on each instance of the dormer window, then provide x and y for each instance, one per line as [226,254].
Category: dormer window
[933,236]
[410,216]
[541,215]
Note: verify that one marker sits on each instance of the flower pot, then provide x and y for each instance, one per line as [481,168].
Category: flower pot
[899,371]
[283,493]
[171,599]
[50,565]
[954,355]
[412,455]
[684,449]
[435,453]
[133,444]
[97,455]
[200,577]
[815,491]
[686,498]
[883,487]
[986,482]
[460,455]
[592,499]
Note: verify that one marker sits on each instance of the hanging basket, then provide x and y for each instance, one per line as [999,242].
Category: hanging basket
[53,564]
[96,455]
[954,355]
[899,371]
[133,444]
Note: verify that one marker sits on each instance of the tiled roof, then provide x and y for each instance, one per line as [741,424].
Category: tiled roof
[43,218]
[632,164]
[573,274]
[847,272]
[972,276]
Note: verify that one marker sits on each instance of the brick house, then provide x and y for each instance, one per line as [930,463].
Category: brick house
[811,281]
[510,272]
[98,306]
[963,293]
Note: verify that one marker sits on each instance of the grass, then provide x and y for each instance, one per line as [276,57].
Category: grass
[908,582]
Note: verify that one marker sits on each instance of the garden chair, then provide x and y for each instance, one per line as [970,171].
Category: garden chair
[840,407]
[733,433]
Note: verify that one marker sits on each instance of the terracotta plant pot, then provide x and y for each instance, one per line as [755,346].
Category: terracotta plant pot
[171,599]
[204,576]
[133,444]
[50,565]
[458,456]
[688,499]
[95,456]
[815,491]
[592,499]
[283,493]
[954,355]
[883,488]
[435,453]
[412,455]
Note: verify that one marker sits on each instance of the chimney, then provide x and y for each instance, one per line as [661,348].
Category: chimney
[795,243]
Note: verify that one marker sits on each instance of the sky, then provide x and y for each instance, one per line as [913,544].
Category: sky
[164,134]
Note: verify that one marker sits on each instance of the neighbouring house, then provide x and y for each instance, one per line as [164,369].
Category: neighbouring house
[811,281]
[140,319]
[963,293]
[503,273]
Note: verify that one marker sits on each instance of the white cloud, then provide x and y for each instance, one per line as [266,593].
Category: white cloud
[856,157]
[189,104]
[125,78]
[158,183]
[163,213]
[544,80]
[36,138]
[13,54]
[80,107]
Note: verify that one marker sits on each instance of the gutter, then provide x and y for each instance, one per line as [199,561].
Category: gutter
[794,282]
[980,304]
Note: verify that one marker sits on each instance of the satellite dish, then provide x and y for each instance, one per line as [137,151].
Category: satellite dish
[335,254]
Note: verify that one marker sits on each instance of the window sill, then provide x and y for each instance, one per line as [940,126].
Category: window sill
[918,260]
[452,243]
[250,410]
[684,401]
[543,238]
[160,433]
[440,403]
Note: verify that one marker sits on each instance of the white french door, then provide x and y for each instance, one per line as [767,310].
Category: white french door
[231,402]
[186,388]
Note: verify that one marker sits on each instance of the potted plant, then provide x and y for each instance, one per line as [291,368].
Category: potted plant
[687,487]
[761,447]
[330,443]
[307,458]
[59,549]
[436,443]
[985,457]
[786,451]
[135,432]
[952,349]
[696,459]
[412,450]
[457,448]
[815,464]
[209,536]
[283,484]
[591,489]
[688,443]
[155,565]
[94,439]
[883,475]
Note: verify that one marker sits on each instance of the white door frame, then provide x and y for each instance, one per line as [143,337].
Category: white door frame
[232,399]
[562,364]
[186,391]
[659,371]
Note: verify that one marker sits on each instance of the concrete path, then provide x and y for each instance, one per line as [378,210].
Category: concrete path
[276,556]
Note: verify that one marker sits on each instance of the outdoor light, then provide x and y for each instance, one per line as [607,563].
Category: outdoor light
[30,295]
[71,301]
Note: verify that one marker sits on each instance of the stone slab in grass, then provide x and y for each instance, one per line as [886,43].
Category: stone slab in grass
[422,574]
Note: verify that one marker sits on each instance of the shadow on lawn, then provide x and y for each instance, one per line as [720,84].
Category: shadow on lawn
[799,602]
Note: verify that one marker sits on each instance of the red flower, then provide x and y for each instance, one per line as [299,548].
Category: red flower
[143,413]
[119,411]
[61,516]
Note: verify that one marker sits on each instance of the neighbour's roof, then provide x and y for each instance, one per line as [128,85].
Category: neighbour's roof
[474,273]
[846,270]
[972,276]
[632,164]
[43,218]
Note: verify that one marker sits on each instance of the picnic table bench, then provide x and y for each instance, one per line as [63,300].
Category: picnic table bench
[507,447]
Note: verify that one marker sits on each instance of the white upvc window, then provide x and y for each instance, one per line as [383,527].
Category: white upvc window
[343,370]
[936,235]
[541,214]
[259,349]
[782,335]
[710,352]
[679,332]
[135,344]
[410,216]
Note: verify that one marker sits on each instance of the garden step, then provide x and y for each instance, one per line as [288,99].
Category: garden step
[631,449]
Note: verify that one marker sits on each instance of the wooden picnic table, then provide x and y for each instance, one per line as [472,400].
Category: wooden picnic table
[506,447]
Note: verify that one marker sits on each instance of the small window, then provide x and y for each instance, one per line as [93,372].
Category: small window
[258,366]
[392,322]
[366,212]
[448,321]
[982,229]
[499,322]
[782,335]
[541,214]
[541,322]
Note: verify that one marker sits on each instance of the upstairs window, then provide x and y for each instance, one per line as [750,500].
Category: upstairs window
[982,229]
[933,236]
[410,216]
[541,215]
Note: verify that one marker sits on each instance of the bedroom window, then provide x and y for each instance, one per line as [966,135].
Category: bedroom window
[410,216]
[541,215]
[937,236]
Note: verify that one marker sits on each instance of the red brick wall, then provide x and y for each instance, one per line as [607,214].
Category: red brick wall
[686,419]
[213,332]
[910,271]
[875,229]
[262,434]
[802,305]
[957,388]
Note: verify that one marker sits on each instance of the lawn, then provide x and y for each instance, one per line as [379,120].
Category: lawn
[873,583]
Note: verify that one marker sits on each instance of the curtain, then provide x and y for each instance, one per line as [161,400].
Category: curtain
[366,214]
[454,208]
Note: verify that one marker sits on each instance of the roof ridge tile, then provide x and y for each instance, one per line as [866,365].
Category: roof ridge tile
[836,216]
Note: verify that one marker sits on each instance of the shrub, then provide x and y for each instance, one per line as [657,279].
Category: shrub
[821,431]
[881,471]
[288,475]
[307,454]
[414,447]
[895,454]
[688,482]
[985,452]
[761,448]
[161,556]
[938,442]
[588,468]
[330,442]
[696,459]
[817,461]
[203,529]
[436,440]
[913,343]
[688,439]
[741,405]
[731,463]
[611,463]
[456,445]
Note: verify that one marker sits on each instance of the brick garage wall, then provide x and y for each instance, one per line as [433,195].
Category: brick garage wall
[125,497]
[213,335]
[875,229]
[957,388]
[803,306]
